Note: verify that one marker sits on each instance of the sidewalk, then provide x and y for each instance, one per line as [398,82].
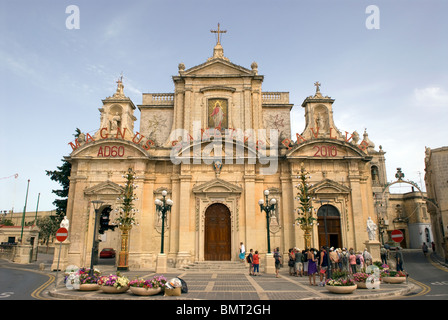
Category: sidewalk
[221,285]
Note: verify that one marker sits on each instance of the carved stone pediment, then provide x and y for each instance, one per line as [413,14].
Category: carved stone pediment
[104,188]
[328,186]
[217,186]
[217,67]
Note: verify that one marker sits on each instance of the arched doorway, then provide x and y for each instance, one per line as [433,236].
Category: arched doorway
[329,228]
[217,243]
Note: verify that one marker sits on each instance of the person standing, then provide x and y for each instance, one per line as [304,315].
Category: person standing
[345,265]
[352,260]
[242,252]
[425,249]
[291,262]
[250,261]
[299,263]
[359,261]
[323,264]
[399,258]
[278,260]
[256,263]
[383,253]
[334,259]
[433,245]
[305,261]
[312,268]
[367,258]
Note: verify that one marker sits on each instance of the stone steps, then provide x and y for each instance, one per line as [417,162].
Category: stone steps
[212,266]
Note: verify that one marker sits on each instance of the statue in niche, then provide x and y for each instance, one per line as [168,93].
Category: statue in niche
[115,122]
[321,121]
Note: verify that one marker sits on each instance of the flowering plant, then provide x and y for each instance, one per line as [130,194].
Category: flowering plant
[340,282]
[391,273]
[360,276]
[113,280]
[155,282]
[86,278]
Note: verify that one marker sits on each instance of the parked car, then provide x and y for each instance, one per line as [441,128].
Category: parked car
[107,253]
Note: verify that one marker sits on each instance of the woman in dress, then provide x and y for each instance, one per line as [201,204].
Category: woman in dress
[312,268]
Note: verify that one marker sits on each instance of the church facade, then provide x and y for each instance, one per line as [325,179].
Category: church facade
[215,145]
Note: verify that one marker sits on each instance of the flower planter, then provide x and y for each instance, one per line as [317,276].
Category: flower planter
[88,287]
[394,279]
[361,285]
[341,289]
[112,289]
[139,291]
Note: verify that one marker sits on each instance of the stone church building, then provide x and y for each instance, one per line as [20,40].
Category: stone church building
[215,145]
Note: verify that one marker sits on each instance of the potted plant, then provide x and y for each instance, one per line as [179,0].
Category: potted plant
[390,276]
[341,285]
[114,283]
[148,287]
[360,279]
[86,281]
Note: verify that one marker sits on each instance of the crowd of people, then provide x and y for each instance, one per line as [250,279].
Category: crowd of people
[313,262]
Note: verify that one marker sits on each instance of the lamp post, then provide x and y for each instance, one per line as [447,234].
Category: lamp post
[268,209]
[24,210]
[163,206]
[96,206]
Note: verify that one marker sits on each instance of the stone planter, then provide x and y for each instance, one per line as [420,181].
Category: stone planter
[89,287]
[341,289]
[361,285]
[145,291]
[112,289]
[393,279]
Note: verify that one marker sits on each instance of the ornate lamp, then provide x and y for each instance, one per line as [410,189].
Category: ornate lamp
[163,206]
[96,206]
[269,209]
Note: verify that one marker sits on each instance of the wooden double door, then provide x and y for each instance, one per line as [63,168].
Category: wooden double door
[217,233]
[329,227]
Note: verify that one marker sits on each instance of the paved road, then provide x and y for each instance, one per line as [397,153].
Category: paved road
[430,276]
[18,283]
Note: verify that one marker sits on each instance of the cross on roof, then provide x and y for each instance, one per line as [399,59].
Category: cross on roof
[218,32]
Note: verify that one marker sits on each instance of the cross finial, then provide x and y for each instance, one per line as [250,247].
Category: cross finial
[219,31]
[317,84]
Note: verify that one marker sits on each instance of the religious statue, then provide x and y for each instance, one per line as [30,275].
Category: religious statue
[371,229]
[65,223]
[115,121]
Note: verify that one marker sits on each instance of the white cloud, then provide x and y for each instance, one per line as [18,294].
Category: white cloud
[431,97]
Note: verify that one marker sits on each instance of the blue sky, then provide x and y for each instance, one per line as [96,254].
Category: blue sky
[392,80]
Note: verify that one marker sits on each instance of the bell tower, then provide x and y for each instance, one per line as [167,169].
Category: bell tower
[319,116]
[117,115]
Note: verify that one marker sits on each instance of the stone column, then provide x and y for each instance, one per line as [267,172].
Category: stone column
[60,255]
[22,254]
[186,222]
[374,247]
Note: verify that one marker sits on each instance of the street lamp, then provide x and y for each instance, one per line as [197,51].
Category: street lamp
[163,206]
[269,210]
[96,206]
